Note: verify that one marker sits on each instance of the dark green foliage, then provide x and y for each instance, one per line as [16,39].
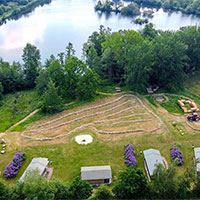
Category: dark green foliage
[130,10]
[51,101]
[80,189]
[103,193]
[149,32]
[31,58]
[35,187]
[62,190]
[170,59]
[132,184]
[3,191]
[166,184]
[87,84]
[42,81]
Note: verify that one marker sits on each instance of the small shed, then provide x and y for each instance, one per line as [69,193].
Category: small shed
[39,164]
[97,175]
[197,159]
[152,158]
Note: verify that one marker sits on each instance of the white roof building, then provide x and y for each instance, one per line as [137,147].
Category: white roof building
[39,164]
[101,174]
[197,158]
[152,159]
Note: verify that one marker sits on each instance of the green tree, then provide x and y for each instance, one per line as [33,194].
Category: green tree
[80,189]
[56,74]
[130,10]
[3,191]
[149,32]
[103,193]
[42,81]
[31,58]
[74,69]
[139,67]
[69,50]
[190,36]
[1,91]
[87,85]
[170,59]
[35,187]
[62,190]
[51,101]
[131,184]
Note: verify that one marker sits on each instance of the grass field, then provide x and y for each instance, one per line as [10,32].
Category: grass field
[68,157]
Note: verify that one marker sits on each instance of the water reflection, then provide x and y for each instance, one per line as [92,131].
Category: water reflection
[52,26]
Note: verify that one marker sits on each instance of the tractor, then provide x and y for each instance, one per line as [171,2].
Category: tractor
[193,117]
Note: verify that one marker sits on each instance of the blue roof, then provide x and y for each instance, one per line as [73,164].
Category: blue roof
[152,158]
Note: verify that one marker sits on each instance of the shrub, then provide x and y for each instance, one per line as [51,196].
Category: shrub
[129,154]
[13,167]
[176,154]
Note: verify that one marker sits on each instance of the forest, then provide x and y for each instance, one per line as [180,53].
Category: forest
[12,9]
[126,58]
[185,6]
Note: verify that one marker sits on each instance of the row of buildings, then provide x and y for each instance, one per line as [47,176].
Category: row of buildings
[97,175]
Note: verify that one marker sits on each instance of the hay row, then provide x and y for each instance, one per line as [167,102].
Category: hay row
[81,111]
[91,125]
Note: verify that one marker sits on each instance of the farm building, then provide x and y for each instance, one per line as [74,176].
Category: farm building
[197,158]
[97,175]
[152,158]
[39,164]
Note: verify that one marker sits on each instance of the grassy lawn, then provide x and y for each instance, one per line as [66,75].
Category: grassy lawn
[171,105]
[11,113]
[68,157]
[151,100]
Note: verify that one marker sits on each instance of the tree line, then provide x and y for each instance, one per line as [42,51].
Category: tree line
[13,9]
[126,57]
[130,184]
[148,57]
[185,6]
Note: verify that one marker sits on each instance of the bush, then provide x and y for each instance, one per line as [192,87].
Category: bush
[13,167]
[129,154]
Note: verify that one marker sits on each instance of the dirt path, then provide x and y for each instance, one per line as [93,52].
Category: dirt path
[31,114]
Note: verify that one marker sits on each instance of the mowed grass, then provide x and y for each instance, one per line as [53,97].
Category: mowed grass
[68,158]
[11,112]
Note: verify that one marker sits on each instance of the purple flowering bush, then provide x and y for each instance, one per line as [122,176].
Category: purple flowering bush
[13,167]
[129,154]
[176,154]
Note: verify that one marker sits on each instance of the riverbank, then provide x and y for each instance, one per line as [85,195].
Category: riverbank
[16,11]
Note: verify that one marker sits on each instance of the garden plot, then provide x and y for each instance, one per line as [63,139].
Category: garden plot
[121,114]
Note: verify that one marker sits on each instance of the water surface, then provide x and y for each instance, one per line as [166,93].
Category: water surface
[52,26]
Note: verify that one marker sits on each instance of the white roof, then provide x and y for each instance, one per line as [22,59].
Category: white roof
[36,164]
[96,173]
[197,157]
[152,158]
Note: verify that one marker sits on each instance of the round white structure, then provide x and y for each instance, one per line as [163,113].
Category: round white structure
[83,139]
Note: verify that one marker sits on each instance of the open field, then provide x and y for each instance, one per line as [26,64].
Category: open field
[113,122]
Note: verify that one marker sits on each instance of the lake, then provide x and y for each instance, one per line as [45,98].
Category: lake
[52,26]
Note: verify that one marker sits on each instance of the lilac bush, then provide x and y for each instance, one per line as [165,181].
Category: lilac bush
[13,167]
[176,154]
[129,154]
